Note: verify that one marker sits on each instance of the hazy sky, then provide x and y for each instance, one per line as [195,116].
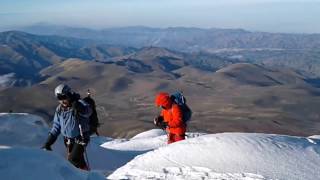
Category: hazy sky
[298,16]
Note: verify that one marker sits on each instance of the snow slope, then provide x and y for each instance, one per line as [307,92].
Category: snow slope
[26,130]
[22,130]
[29,163]
[21,136]
[144,141]
[229,156]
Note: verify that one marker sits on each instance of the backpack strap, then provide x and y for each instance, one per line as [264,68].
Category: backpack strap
[58,110]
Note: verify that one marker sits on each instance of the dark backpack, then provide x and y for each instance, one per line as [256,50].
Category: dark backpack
[181,101]
[93,119]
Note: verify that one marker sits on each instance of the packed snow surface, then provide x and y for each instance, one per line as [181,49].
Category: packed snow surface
[228,156]
[22,130]
[21,136]
[29,163]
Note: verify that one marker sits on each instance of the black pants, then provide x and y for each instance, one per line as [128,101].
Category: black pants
[75,152]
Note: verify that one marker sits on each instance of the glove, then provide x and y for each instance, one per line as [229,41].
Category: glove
[163,125]
[159,122]
[51,139]
[47,148]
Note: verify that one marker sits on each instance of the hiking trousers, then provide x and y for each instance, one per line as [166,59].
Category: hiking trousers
[175,137]
[75,152]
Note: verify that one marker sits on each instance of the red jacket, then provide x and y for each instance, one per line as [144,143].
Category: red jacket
[171,114]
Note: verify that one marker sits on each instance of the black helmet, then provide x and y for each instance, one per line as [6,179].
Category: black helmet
[62,91]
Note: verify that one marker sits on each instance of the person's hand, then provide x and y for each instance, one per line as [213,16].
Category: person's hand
[158,120]
[46,147]
[155,120]
[163,125]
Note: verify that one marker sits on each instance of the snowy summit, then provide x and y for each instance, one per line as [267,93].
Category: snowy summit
[229,156]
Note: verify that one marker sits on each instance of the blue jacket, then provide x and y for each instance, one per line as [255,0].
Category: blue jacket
[65,121]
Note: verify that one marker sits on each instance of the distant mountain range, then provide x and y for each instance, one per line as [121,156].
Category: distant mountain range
[230,89]
[26,54]
[185,39]
[297,51]
[23,49]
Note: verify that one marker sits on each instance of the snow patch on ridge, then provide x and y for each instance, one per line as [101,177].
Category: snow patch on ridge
[265,156]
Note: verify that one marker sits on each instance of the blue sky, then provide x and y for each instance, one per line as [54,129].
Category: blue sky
[297,16]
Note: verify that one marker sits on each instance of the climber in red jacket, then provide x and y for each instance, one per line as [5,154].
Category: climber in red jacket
[170,118]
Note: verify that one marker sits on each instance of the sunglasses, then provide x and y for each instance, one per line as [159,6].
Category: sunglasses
[61,96]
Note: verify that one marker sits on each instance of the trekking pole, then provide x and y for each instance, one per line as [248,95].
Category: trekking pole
[68,142]
[86,157]
[84,151]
